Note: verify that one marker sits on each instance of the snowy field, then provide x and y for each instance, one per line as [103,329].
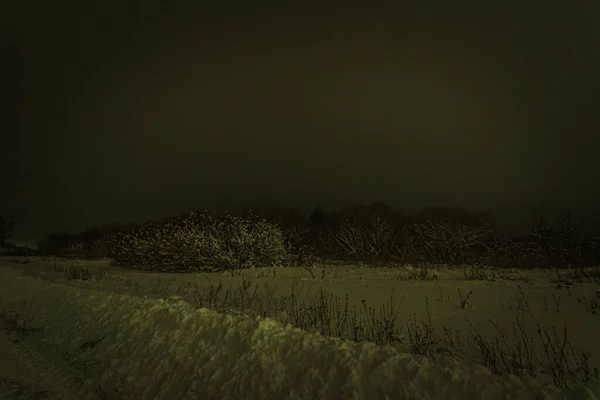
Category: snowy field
[136,335]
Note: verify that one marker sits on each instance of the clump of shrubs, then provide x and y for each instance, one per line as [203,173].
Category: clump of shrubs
[199,241]
[443,241]
[375,235]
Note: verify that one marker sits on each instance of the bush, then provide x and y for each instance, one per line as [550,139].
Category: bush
[367,237]
[558,246]
[448,242]
[200,241]
[500,251]
[6,228]
[57,243]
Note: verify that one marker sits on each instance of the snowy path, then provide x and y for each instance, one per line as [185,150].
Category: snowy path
[91,344]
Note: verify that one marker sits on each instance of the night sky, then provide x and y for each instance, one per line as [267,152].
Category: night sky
[119,111]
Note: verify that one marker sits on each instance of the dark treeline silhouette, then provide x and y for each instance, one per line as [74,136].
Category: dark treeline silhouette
[377,233]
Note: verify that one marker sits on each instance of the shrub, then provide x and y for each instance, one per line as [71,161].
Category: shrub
[558,246]
[200,241]
[6,228]
[366,237]
[499,250]
[448,242]
[57,243]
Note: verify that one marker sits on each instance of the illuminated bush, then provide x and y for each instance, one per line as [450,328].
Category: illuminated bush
[200,241]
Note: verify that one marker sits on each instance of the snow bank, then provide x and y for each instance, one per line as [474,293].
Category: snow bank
[142,348]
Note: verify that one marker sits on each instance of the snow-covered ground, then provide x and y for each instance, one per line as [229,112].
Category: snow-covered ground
[110,339]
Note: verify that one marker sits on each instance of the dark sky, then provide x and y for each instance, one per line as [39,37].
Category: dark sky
[131,110]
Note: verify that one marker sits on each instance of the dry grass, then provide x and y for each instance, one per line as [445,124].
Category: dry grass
[548,352]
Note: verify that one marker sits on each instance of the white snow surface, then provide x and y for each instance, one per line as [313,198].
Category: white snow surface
[148,348]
